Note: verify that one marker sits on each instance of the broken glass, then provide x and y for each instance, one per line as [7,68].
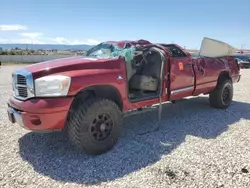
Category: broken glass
[106,50]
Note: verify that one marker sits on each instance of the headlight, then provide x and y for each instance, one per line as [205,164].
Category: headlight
[52,86]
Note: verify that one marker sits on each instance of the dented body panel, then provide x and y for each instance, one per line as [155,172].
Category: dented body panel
[199,75]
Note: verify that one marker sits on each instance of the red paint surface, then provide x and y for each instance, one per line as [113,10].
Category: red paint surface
[49,121]
[52,112]
[181,78]
[42,106]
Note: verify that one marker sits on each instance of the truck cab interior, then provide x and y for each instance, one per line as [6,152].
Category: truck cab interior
[144,66]
[145,70]
[144,73]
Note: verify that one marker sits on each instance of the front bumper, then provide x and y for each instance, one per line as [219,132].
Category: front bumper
[39,114]
[15,116]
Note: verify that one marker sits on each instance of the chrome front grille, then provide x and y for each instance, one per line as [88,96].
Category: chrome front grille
[22,91]
[22,85]
[21,79]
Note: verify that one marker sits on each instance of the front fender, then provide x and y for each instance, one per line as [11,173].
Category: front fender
[87,78]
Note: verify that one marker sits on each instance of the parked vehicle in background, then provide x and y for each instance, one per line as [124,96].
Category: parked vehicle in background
[86,96]
[194,54]
[243,60]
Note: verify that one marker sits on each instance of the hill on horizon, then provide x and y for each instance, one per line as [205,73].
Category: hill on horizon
[46,46]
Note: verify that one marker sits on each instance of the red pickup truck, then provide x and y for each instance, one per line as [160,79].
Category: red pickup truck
[86,96]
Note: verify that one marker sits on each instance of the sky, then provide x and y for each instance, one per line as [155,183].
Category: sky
[90,22]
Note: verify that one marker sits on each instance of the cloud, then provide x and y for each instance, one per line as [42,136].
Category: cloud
[31,35]
[14,27]
[62,40]
[21,41]
[92,42]
[38,38]
[4,40]
[29,41]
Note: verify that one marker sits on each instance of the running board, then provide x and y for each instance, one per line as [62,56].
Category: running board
[139,110]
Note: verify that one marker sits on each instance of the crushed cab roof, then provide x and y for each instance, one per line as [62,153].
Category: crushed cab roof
[123,43]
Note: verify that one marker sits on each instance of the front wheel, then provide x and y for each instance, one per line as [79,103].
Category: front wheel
[222,96]
[94,127]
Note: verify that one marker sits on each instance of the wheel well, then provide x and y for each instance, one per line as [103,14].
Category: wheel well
[222,76]
[103,91]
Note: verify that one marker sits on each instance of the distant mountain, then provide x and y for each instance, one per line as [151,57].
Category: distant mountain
[46,46]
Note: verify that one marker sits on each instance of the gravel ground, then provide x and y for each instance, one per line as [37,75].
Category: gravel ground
[195,147]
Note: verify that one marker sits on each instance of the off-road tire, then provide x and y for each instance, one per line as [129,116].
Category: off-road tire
[82,119]
[222,96]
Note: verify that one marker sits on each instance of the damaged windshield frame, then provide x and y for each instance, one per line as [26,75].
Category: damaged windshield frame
[93,50]
[110,51]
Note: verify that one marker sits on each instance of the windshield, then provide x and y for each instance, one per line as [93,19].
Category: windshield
[102,49]
[106,50]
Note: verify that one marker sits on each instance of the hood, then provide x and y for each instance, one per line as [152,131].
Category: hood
[71,64]
[215,48]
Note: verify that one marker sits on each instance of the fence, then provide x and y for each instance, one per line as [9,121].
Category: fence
[30,58]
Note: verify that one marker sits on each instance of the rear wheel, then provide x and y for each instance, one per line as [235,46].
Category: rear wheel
[222,96]
[94,126]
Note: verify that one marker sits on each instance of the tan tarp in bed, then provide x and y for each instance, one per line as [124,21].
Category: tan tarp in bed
[215,48]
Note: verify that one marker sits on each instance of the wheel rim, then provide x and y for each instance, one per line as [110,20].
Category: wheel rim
[101,127]
[226,95]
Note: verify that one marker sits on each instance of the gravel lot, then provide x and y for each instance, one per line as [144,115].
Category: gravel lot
[196,146]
